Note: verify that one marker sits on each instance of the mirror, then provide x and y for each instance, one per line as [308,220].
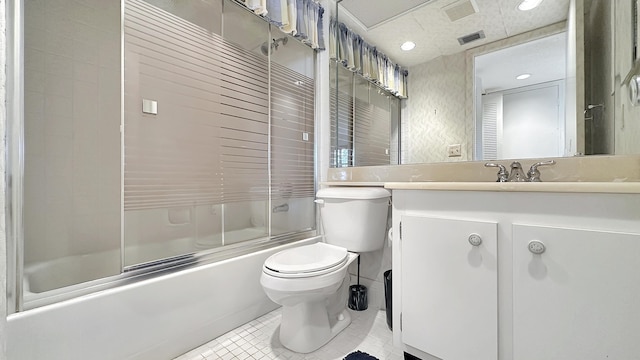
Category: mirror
[520,108]
[442,118]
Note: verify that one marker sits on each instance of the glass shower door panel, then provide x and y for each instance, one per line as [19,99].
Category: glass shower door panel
[372,125]
[292,138]
[71,144]
[194,166]
[341,103]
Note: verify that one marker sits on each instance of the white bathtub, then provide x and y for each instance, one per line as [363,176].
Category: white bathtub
[158,318]
[70,270]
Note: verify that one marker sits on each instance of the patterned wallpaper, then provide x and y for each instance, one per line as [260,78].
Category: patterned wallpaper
[435,112]
[439,111]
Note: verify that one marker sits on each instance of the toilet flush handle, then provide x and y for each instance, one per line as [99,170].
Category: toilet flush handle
[319,201]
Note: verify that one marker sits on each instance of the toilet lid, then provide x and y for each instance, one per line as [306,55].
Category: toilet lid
[306,259]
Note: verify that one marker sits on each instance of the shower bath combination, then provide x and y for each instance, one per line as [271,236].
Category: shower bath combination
[266,47]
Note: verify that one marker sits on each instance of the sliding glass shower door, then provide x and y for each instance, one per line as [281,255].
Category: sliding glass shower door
[156,133]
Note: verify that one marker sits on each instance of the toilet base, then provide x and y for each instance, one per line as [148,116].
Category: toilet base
[305,327]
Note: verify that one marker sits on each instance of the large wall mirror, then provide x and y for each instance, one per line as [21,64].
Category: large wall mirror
[488,80]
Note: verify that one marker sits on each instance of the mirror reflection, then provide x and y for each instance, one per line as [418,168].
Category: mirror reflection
[520,101]
[576,109]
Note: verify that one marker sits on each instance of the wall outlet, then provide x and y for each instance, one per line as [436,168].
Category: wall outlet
[454,150]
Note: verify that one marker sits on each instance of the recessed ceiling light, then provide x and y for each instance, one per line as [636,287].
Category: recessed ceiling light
[529,4]
[523,76]
[409,45]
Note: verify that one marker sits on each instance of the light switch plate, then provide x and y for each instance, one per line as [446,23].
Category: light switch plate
[149,106]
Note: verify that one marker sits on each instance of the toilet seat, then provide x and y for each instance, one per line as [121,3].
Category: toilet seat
[306,261]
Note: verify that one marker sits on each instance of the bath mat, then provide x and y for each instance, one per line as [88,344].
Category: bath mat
[359,355]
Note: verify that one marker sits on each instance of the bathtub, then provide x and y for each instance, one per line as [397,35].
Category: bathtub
[71,270]
[157,318]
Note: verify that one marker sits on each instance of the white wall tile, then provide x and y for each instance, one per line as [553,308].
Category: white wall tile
[37,9]
[59,25]
[57,65]
[34,81]
[58,85]
[59,6]
[37,34]
[85,102]
[86,33]
[85,72]
[57,44]
[86,51]
[33,59]
[109,50]
[62,106]
[64,103]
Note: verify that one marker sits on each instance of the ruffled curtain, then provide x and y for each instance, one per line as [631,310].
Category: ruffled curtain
[349,49]
[300,18]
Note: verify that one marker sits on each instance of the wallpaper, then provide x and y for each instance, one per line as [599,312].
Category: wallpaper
[435,113]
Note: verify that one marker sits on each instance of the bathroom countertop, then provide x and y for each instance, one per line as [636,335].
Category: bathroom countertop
[567,187]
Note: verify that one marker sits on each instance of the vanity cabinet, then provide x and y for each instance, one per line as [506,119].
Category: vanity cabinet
[580,298]
[556,275]
[451,283]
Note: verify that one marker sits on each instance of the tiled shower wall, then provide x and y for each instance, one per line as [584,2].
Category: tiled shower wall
[436,111]
[72,128]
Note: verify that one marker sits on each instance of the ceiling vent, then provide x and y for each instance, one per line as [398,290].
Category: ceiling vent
[460,9]
[464,40]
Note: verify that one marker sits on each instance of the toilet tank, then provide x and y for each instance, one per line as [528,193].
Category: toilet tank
[354,217]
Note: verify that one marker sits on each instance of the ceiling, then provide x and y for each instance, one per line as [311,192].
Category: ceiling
[428,25]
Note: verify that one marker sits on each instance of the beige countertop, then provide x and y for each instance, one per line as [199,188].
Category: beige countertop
[568,187]
[571,187]
[588,174]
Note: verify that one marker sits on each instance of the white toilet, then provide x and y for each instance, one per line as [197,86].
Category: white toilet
[306,280]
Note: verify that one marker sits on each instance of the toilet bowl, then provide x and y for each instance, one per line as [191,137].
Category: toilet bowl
[311,282]
[303,288]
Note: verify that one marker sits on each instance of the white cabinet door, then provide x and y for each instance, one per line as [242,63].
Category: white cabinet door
[580,299]
[449,288]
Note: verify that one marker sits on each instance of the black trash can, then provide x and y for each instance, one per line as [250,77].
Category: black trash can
[387,298]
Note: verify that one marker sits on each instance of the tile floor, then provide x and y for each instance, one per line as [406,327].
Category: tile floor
[258,339]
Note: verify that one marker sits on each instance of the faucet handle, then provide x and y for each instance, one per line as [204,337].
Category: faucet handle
[503,174]
[534,174]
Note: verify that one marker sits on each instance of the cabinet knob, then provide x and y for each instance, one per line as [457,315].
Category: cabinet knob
[475,240]
[536,247]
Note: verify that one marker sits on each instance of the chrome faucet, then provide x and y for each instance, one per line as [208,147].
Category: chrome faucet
[503,174]
[517,174]
[534,174]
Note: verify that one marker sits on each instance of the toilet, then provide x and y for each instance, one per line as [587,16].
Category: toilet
[311,281]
